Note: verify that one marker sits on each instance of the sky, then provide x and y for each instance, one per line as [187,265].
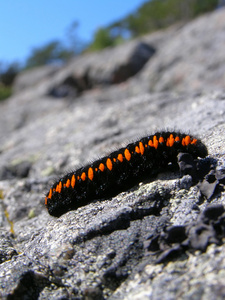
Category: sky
[27,24]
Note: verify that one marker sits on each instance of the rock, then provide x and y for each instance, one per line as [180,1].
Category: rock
[19,169]
[30,78]
[161,239]
[7,250]
[192,59]
[110,66]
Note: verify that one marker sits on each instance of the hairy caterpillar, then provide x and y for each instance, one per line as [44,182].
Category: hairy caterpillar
[120,170]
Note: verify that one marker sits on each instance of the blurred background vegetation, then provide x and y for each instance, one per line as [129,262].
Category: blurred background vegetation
[151,16]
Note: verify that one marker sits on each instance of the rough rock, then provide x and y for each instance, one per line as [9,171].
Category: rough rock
[30,78]
[162,239]
[192,59]
[110,66]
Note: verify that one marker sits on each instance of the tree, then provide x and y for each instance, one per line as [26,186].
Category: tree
[8,73]
[157,14]
[75,44]
[52,53]
[102,39]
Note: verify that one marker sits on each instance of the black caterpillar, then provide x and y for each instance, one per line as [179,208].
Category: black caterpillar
[120,170]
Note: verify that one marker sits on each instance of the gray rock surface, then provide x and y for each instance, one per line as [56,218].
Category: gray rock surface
[30,78]
[110,66]
[192,59]
[160,240]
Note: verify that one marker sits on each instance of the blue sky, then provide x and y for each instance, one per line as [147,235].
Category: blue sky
[25,24]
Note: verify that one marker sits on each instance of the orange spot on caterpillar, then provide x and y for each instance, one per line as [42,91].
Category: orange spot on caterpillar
[142,148]
[170,141]
[50,194]
[150,143]
[120,157]
[90,173]
[155,142]
[106,184]
[127,154]
[59,187]
[186,140]
[73,180]
[137,150]
[67,183]
[101,167]
[109,164]
[83,176]
[161,139]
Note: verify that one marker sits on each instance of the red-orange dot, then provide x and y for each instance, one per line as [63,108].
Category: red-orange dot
[194,141]
[142,148]
[109,164]
[150,143]
[59,187]
[127,154]
[46,200]
[155,142]
[161,139]
[83,176]
[120,157]
[50,194]
[67,183]
[137,150]
[186,140]
[177,139]
[170,141]
[114,159]
[90,173]
[101,167]
[73,180]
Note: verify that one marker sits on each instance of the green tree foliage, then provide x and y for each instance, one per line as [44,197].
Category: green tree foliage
[8,73]
[103,38]
[157,14]
[200,7]
[57,52]
[52,52]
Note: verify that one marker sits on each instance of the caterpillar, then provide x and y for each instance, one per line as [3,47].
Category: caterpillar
[120,170]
